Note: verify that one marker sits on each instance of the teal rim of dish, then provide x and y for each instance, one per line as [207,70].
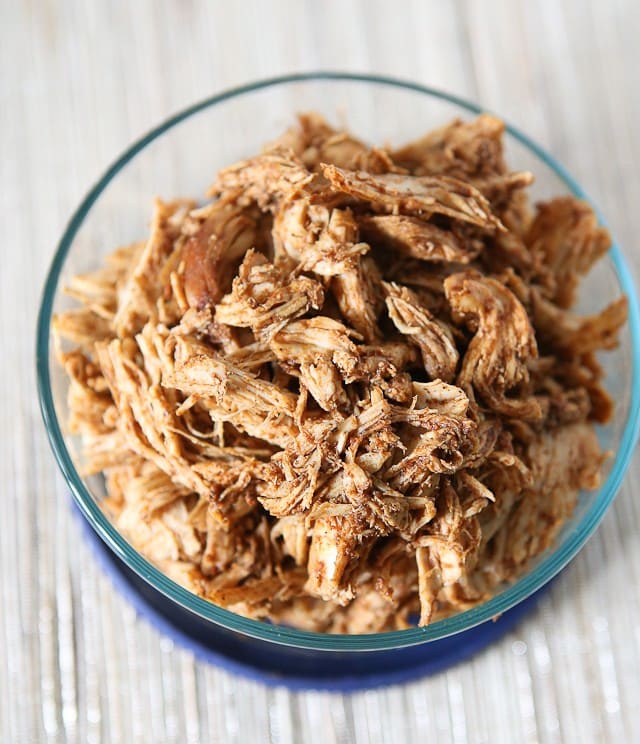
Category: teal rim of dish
[501,602]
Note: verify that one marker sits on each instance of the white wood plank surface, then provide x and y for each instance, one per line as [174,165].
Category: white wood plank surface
[79,81]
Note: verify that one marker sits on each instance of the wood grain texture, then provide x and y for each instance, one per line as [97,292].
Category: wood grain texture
[79,81]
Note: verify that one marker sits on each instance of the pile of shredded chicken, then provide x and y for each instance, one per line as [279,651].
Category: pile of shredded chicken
[348,393]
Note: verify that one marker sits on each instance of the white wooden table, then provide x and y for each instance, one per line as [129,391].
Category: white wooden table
[80,80]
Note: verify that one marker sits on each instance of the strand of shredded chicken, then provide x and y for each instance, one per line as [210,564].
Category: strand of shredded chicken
[347,394]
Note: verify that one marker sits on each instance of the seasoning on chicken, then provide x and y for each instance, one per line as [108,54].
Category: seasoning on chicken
[496,360]
[434,339]
[565,240]
[419,239]
[349,393]
[423,196]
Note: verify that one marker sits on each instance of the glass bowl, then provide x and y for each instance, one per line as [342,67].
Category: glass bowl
[180,158]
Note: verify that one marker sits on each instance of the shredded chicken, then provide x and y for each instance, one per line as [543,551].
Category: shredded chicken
[433,337]
[420,239]
[425,195]
[497,356]
[347,394]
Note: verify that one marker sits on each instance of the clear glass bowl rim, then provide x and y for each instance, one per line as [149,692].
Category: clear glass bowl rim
[513,594]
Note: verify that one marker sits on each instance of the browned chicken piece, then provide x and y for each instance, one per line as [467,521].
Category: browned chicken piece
[317,238]
[358,293]
[332,546]
[386,511]
[288,484]
[230,393]
[365,438]
[251,357]
[445,553]
[570,334]
[267,179]
[432,337]
[335,542]
[507,250]
[97,291]
[418,239]
[323,382]
[321,353]
[460,148]
[383,365]
[264,299]
[141,407]
[83,327]
[437,447]
[334,434]
[138,298]
[474,495]
[517,215]
[225,233]
[562,462]
[569,406]
[428,276]
[306,341]
[395,579]
[506,476]
[471,151]
[429,582]
[195,369]
[565,241]
[584,373]
[88,398]
[495,362]
[294,533]
[436,433]
[423,196]
[437,396]
[250,597]
[395,353]
[315,142]
[499,189]
[155,515]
